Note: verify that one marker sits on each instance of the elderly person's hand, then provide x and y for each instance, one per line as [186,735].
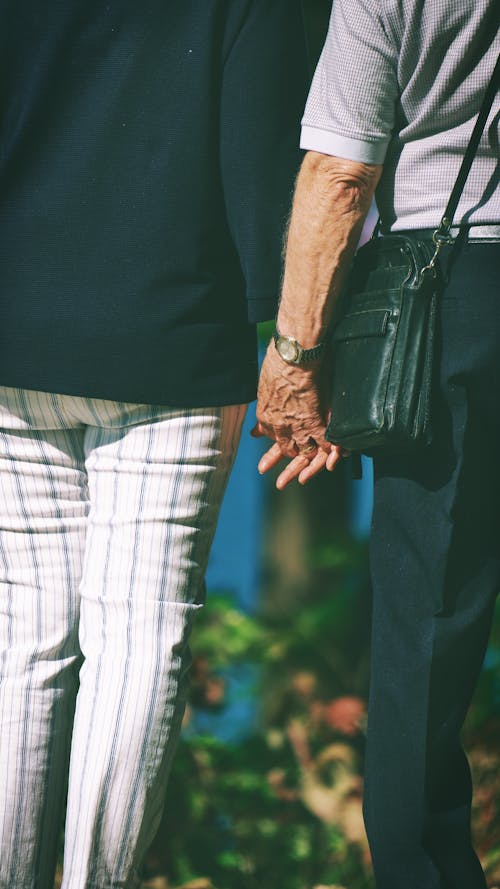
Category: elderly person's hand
[331,201]
[292,410]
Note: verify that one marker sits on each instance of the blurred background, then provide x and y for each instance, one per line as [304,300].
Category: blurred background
[266,787]
[267,784]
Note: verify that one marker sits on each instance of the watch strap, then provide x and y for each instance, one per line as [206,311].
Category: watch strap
[304,355]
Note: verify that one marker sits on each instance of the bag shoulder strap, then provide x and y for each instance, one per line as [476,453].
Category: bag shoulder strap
[442,233]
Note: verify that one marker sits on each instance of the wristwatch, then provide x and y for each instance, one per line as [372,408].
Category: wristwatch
[292,352]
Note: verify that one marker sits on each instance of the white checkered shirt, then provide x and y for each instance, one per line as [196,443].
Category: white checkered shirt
[400,82]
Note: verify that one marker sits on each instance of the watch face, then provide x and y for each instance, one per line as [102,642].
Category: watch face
[287,349]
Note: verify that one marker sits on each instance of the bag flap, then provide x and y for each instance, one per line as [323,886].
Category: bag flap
[361,324]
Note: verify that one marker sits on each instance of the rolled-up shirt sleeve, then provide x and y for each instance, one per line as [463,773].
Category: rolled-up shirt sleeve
[350,111]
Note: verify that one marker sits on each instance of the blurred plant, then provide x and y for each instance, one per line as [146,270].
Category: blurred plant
[283,809]
[482,741]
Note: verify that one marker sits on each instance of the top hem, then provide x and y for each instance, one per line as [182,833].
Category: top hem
[327,142]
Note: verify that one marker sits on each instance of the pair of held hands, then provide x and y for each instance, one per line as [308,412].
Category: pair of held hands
[292,409]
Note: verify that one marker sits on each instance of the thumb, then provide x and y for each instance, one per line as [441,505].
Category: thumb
[258,430]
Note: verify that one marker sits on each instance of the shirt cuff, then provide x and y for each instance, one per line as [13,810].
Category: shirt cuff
[326,142]
[262,308]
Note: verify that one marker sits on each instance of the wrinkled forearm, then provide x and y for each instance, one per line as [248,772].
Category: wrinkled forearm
[332,199]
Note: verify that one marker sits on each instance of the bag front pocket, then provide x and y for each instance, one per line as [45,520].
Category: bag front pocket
[363,344]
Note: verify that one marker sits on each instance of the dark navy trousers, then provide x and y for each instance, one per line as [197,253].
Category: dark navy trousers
[435,561]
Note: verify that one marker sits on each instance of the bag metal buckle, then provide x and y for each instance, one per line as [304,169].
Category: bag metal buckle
[441,237]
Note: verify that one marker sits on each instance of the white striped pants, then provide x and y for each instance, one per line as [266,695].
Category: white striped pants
[107,513]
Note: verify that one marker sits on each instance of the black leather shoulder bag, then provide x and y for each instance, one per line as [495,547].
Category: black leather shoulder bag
[383,338]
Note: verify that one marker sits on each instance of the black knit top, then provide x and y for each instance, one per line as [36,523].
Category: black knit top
[147,157]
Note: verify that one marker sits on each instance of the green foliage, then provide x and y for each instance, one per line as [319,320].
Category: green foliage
[268,811]
[243,835]
[283,808]
[226,635]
